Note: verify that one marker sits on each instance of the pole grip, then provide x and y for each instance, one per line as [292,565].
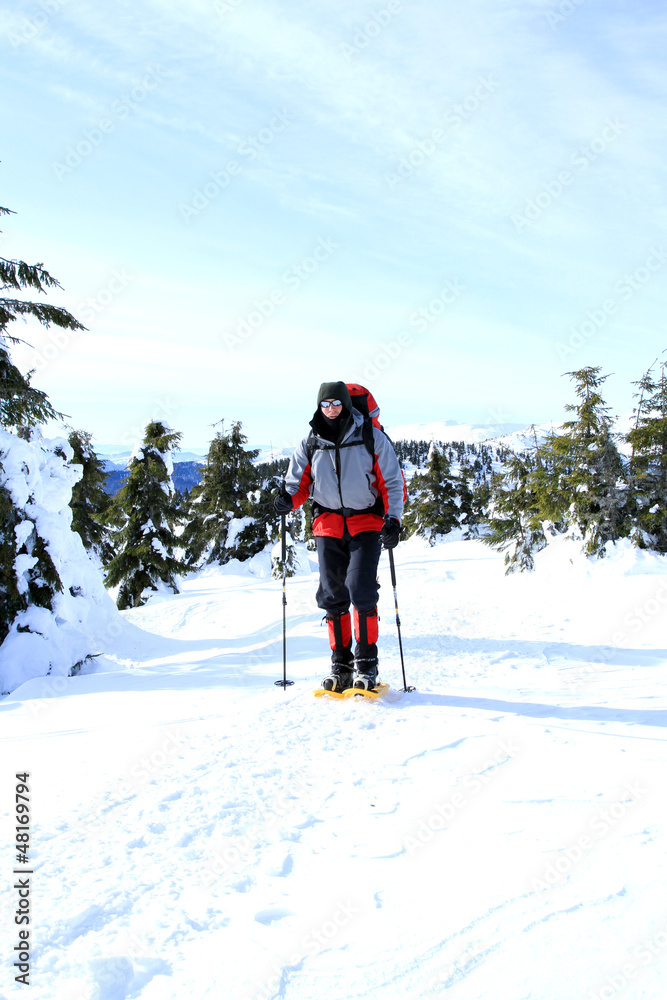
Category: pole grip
[392,568]
[283,540]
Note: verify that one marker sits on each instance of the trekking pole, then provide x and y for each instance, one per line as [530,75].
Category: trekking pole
[392,569]
[283,555]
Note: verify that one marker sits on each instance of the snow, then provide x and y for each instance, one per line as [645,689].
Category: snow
[234,529]
[450,430]
[157,545]
[519,440]
[499,832]
[39,478]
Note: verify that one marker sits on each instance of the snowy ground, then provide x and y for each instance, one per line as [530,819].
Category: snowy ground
[199,832]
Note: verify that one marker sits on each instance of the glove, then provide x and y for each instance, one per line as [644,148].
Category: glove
[282,502]
[391,532]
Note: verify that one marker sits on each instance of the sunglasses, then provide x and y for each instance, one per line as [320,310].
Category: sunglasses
[326,403]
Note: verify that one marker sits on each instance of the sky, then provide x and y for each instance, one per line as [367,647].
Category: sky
[454,204]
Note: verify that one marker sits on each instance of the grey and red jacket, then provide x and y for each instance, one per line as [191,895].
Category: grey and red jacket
[346,483]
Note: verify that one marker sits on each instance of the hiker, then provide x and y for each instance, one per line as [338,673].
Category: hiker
[348,466]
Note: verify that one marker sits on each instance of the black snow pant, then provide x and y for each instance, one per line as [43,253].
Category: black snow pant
[348,575]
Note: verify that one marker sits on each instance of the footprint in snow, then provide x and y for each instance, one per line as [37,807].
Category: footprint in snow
[270,915]
[164,804]
[282,869]
[111,977]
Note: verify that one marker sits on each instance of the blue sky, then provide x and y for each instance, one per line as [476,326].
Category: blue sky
[453,203]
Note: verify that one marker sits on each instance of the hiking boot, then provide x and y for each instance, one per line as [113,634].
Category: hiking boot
[339,679]
[365,674]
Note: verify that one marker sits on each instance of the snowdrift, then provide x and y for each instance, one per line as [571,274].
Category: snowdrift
[82,619]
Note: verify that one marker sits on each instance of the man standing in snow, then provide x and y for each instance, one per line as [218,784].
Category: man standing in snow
[349,468]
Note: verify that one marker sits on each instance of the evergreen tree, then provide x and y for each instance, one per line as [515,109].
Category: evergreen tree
[432,507]
[311,544]
[54,608]
[293,526]
[20,403]
[481,498]
[548,487]
[648,464]
[28,575]
[277,467]
[514,521]
[90,502]
[146,510]
[586,484]
[260,524]
[469,501]
[224,522]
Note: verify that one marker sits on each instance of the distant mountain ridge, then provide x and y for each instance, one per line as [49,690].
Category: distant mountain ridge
[186,475]
[450,430]
[516,437]
[119,457]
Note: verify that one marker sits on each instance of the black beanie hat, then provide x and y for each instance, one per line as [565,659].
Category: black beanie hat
[335,390]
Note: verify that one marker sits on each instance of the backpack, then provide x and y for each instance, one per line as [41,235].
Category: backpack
[364,401]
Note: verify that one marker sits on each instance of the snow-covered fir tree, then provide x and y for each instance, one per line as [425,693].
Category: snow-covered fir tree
[473,500]
[90,502]
[648,463]
[293,529]
[433,506]
[230,507]
[145,509]
[585,481]
[514,520]
[54,609]
[261,524]
[28,576]
[21,406]
[302,526]
[575,483]
[53,604]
